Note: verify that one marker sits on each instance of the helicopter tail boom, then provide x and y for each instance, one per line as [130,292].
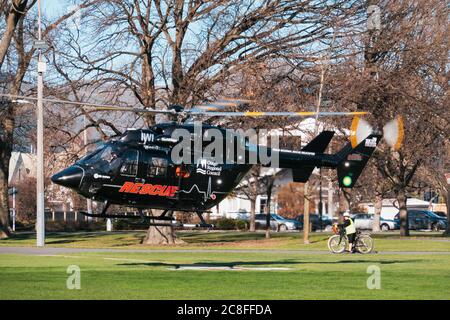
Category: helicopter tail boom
[349,162]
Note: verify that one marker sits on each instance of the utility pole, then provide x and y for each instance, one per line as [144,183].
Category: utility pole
[306,220]
[306,224]
[320,201]
[85,138]
[14,191]
[40,206]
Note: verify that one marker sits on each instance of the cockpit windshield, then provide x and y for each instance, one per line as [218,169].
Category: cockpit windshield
[89,156]
[103,157]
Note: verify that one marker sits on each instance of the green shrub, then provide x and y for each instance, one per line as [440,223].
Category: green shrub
[230,224]
[241,224]
[59,226]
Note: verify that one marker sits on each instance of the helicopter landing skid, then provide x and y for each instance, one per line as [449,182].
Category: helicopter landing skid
[123,216]
[203,224]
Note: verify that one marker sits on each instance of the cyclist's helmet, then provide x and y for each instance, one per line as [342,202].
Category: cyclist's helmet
[346,214]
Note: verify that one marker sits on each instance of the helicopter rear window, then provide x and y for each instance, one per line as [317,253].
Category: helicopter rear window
[130,163]
[157,167]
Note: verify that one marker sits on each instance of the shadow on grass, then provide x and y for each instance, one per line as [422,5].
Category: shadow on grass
[212,237]
[71,237]
[414,235]
[261,263]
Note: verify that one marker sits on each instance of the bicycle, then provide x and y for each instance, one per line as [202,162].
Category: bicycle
[339,242]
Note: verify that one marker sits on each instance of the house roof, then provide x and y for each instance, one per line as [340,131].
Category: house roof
[411,202]
[23,163]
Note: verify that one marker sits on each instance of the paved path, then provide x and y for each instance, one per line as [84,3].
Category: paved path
[52,251]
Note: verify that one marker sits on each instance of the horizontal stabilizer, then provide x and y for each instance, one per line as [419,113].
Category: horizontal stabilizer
[303,174]
[319,143]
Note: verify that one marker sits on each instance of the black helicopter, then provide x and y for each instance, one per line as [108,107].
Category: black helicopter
[136,169]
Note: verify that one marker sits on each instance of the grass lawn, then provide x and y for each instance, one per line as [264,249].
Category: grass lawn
[153,276]
[156,275]
[388,241]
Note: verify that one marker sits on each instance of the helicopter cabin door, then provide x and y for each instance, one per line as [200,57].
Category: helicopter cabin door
[144,177]
[129,174]
[159,177]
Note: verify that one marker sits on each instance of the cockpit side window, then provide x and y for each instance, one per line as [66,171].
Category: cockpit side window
[130,163]
[157,167]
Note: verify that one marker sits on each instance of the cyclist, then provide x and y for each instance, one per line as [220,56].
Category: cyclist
[349,226]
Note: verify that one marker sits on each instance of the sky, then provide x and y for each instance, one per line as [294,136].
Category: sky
[51,8]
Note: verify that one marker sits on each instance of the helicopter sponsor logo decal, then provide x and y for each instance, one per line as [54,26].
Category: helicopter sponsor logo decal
[305,153]
[371,143]
[153,147]
[168,139]
[354,157]
[208,167]
[149,189]
[100,176]
[224,146]
[147,137]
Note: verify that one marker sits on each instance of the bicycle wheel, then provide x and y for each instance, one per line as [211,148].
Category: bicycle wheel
[364,244]
[336,244]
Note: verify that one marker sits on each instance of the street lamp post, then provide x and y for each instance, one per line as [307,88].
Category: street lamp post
[40,207]
[320,202]
[85,138]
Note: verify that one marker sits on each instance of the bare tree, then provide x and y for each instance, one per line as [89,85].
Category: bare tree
[13,12]
[399,69]
[20,28]
[251,187]
[185,51]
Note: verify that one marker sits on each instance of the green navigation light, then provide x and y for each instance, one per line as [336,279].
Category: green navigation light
[347,181]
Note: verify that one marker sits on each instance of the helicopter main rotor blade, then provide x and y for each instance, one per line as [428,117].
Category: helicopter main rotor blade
[98,107]
[209,110]
[222,103]
[274,113]
[237,100]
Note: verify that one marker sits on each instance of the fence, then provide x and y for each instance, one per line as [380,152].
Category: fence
[69,216]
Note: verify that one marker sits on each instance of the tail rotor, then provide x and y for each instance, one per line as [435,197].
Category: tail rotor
[393,132]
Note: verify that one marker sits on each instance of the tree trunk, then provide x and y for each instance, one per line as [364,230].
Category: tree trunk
[4,207]
[403,213]
[252,214]
[161,235]
[306,226]
[378,205]
[267,208]
[14,15]
[267,211]
[6,142]
[330,199]
[447,202]
[343,202]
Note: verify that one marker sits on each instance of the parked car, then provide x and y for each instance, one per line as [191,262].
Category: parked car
[239,215]
[314,219]
[365,221]
[441,214]
[423,219]
[277,222]
[242,216]
[388,224]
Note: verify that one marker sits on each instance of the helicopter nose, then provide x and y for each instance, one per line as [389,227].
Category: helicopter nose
[70,177]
